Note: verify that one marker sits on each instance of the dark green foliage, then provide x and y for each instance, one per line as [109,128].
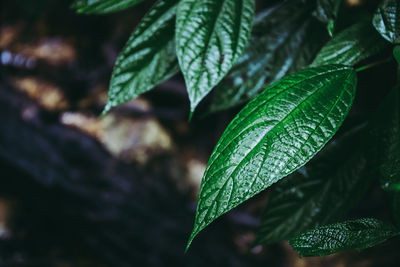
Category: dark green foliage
[284,40]
[329,239]
[325,190]
[214,44]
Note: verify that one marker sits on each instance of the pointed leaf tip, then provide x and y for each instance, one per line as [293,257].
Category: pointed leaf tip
[275,134]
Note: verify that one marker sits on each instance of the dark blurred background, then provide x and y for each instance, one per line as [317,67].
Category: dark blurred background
[120,190]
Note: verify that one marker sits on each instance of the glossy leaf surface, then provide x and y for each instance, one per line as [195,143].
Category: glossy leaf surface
[387,20]
[102,6]
[329,239]
[324,191]
[352,45]
[148,58]
[211,35]
[284,40]
[275,134]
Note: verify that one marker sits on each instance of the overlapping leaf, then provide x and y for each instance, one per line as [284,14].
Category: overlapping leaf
[211,35]
[387,20]
[275,134]
[329,239]
[148,58]
[324,191]
[102,6]
[352,45]
[284,40]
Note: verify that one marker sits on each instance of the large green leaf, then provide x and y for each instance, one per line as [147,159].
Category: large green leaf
[352,45]
[387,20]
[102,6]
[329,239]
[210,35]
[284,40]
[324,191]
[148,58]
[386,133]
[275,134]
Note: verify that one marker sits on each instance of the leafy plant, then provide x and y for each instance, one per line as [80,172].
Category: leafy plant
[299,86]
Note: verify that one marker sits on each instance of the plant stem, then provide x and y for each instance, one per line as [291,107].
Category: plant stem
[373,64]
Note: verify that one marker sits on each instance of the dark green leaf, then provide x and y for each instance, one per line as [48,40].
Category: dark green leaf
[148,58]
[284,40]
[386,133]
[396,54]
[211,35]
[352,45]
[387,20]
[327,12]
[329,239]
[102,6]
[324,191]
[275,134]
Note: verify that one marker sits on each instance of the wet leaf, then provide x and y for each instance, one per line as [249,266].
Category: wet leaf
[329,239]
[284,40]
[211,35]
[102,6]
[351,45]
[275,134]
[148,58]
[387,20]
[321,193]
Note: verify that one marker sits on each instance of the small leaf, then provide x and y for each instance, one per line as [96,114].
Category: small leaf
[102,6]
[284,40]
[324,191]
[386,132]
[352,45]
[327,12]
[148,58]
[396,54]
[275,134]
[387,20]
[211,35]
[358,234]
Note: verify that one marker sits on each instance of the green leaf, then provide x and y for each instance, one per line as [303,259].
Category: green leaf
[211,35]
[275,134]
[284,40]
[148,58]
[324,191]
[327,12]
[396,54]
[329,239]
[386,132]
[387,20]
[102,6]
[352,45]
